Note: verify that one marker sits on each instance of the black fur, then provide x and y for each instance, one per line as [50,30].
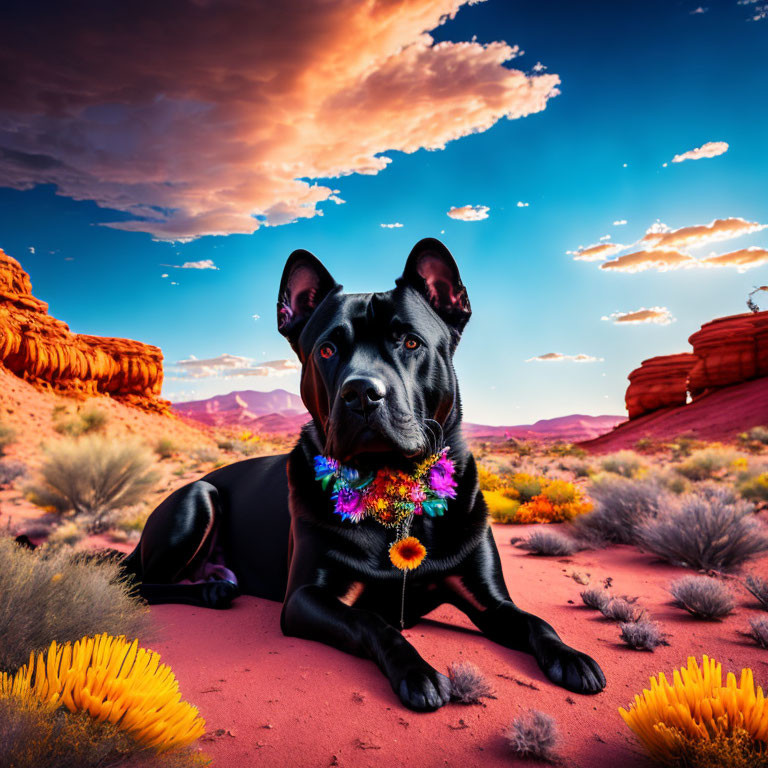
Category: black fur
[265,527]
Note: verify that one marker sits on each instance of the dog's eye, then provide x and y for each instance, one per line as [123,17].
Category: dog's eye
[327,351]
[411,342]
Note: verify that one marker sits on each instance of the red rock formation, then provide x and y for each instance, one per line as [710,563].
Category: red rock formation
[42,350]
[729,350]
[659,383]
[726,351]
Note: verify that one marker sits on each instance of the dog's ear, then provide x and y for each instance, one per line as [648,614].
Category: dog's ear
[432,271]
[305,283]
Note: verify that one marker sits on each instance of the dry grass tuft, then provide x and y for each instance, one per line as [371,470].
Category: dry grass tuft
[642,635]
[596,597]
[550,543]
[468,684]
[758,630]
[702,597]
[533,735]
[759,588]
[47,596]
[620,609]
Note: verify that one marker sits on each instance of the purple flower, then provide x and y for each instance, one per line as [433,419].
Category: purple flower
[349,504]
[441,478]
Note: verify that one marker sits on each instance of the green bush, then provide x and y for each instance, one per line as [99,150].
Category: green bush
[7,436]
[165,448]
[92,477]
[707,464]
[755,488]
[624,463]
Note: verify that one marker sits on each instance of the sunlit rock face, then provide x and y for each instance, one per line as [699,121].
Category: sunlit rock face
[659,383]
[42,350]
[729,350]
[726,351]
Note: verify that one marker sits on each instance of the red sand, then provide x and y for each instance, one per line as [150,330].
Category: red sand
[275,701]
[720,415]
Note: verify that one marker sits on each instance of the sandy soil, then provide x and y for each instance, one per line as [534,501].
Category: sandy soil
[276,701]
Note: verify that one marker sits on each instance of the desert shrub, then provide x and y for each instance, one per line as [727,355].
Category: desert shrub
[578,467]
[501,508]
[165,447]
[709,530]
[754,488]
[620,609]
[131,520]
[488,481]
[526,486]
[702,597]
[759,588]
[642,635]
[596,597]
[11,470]
[754,439]
[204,454]
[621,505]
[624,463]
[707,463]
[34,736]
[468,684]
[758,630]
[7,436]
[47,596]
[67,534]
[648,446]
[533,735]
[557,501]
[88,420]
[561,448]
[92,477]
[551,543]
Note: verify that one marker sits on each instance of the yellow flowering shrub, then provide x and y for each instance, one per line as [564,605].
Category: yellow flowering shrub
[536,499]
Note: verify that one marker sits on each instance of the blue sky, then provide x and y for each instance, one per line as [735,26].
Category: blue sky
[641,82]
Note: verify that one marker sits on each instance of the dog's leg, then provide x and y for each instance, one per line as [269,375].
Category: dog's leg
[176,539]
[314,613]
[479,590]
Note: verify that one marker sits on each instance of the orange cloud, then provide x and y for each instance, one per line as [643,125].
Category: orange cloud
[710,149]
[743,259]
[469,212]
[660,259]
[197,118]
[596,252]
[657,315]
[660,236]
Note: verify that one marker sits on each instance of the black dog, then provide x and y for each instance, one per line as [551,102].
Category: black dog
[379,382]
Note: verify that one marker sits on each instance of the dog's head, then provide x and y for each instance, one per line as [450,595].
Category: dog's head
[377,368]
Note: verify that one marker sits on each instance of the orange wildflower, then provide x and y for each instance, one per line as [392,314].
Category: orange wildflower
[407,553]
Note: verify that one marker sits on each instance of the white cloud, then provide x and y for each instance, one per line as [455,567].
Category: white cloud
[710,149]
[164,275]
[256,317]
[31,249]
[395,225]
[619,222]
[605,237]
[469,212]
[521,204]
[204,264]
[228,366]
[557,357]
[699,10]
[655,315]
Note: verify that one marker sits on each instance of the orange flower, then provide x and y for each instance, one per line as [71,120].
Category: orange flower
[407,553]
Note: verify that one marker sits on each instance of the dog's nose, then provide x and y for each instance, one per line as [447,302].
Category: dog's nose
[362,394]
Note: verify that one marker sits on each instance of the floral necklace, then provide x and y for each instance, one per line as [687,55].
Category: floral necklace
[392,497]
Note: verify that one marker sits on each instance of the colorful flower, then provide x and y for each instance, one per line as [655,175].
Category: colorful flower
[349,504]
[407,554]
[441,480]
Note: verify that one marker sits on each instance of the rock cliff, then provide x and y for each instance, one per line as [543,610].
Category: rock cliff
[726,351]
[42,350]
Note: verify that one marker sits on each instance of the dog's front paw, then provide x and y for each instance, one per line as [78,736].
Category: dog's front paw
[570,668]
[422,688]
[219,593]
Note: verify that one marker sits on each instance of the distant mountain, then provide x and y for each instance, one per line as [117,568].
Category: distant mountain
[571,428]
[274,411]
[282,412]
